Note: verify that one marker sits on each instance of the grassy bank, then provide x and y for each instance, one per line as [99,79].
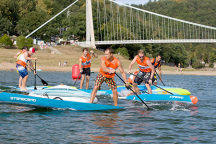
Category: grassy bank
[47,61]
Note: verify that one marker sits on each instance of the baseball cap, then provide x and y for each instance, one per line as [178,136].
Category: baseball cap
[32,49]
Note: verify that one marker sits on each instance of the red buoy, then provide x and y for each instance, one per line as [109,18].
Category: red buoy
[76,72]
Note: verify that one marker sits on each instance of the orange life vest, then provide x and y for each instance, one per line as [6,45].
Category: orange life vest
[143,66]
[86,62]
[110,66]
[22,61]
[154,63]
[132,77]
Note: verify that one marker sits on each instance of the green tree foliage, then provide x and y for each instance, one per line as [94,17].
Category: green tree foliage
[5,39]
[22,41]
[123,51]
[5,25]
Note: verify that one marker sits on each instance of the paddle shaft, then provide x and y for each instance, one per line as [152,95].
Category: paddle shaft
[35,77]
[133,91]
[153,84]
[159,78]
[76,79]
[43,81]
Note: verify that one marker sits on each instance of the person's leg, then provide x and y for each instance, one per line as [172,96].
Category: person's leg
[24,80]
[87,81]
[115,97]
[20,82]
[93,93]
[82,80]
[98,81]
[149,88]
[88,73]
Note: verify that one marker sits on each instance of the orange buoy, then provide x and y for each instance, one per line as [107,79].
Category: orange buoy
[194,99]
[76,72]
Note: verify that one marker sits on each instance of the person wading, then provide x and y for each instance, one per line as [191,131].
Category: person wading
[84,66]
[21,66]
[146,71]
[109,65]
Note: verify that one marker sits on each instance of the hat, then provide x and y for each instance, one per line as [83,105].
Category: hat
[32,49]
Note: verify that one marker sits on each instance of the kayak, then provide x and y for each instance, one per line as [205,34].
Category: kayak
[63,92]
[143,89]
[19,99]
[163,98]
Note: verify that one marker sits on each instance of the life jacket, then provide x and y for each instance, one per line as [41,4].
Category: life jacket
[21,52]
[22,61]
[154,63]
[132,77]
[86,62]
[110,66]
[143,66]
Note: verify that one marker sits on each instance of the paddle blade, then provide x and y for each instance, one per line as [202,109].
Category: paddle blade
[44,82]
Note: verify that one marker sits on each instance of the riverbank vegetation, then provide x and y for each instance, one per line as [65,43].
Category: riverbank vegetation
[21,17]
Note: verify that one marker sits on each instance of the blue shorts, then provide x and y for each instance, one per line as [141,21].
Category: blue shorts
[22,70]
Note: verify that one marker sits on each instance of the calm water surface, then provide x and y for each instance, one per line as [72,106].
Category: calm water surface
[169,123]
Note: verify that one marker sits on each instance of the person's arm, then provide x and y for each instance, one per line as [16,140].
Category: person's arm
[122,72]
[106,69]
[29,58]
[152,71]
[80,65]
[131,64]
[93,54]
[31,66]
[17,54]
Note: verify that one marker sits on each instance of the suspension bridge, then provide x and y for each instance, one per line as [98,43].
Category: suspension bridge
[119,23]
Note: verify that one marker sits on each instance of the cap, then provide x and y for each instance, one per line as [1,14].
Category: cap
[32,49]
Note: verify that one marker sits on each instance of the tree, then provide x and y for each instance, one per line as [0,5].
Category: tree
[5,25]
[22,41]
[5,39]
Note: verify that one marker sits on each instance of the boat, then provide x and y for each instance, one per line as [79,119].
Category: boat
[34,101]
[155,90]
[163,98]
[63,92]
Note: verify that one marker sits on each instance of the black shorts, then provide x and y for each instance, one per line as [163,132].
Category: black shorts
[142,77]
[154,78]
[86,71]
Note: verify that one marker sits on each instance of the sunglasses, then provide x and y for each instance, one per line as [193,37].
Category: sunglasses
[141,56]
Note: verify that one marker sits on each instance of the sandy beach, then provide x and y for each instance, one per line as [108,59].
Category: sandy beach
[49,61]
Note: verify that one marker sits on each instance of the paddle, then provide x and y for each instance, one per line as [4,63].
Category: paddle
[160,78]
[153,84]
[76,79]
[35,77]
[43,81]
[133,92]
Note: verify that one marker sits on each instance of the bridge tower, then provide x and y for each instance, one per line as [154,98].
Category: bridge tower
[90,39]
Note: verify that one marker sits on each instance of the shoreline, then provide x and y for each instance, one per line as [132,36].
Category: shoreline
[12,67]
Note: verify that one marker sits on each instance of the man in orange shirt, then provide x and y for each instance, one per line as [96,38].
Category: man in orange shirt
[84,66]
[146,71]
[109,65]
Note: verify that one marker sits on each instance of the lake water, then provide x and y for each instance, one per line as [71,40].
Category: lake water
[169,123]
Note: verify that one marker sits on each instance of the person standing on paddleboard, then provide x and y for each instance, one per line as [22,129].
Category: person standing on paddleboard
[109,65]
[146,71]
[21,66]
[18,54]
[84,66]
[156,63]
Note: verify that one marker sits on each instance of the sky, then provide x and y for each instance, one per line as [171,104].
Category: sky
[133,1]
